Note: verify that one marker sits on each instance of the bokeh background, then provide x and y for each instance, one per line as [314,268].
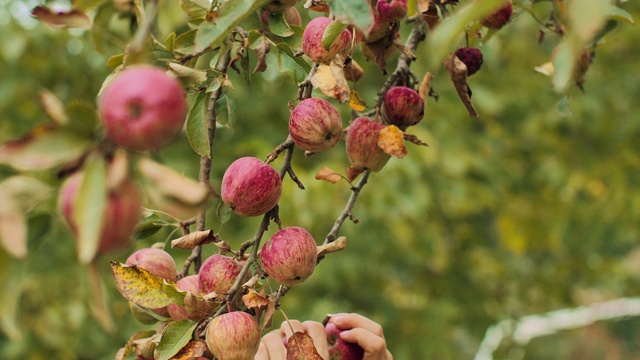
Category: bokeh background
[533,208]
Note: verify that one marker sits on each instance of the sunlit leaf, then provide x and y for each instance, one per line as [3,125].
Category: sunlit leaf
[175,336]
[43,148]
[337,245]
[72,18]
[300,347]
[391,140]
[88,207]
[230,14]
[143,288]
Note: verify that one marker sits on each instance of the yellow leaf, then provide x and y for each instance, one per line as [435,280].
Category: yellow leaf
[355,102]
[143,288]
[391,140]
[331,81]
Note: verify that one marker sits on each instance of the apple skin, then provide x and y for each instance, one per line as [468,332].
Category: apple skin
[188,283]
[340,349]
[292,16]
[362,145]
[251,187]
[289,256]
[402,106]
[143,108]
[312,41]
[315,125]
[218,273]
[233,336]
[120,217]
[391,10]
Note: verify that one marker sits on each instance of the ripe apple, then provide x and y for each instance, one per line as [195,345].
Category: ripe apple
[471,57]
[143,108]
[218,273]
[391,10]
[312,41]
[362,145]
[292,16]
[120,216]
[340,349]
[402,106]
[188,283]
[315,125]
[251,187]
[233,336]
[289,256]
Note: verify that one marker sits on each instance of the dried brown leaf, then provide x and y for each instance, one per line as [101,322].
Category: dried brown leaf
[267,320]
[254,299]
[414,139]
[197,307]
[194,239]
[334,246]
[458,73]
[72,18]
[429,12]
[300,347]
[193,350]
[391,140]
[329,175]
[424,89]
[261,51]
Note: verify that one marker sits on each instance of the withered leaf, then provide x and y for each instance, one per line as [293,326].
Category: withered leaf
[429,12]
[194,239]
[300,347]
[197,306]
[334,246]
[329,175]
[331,81]
[267,320]
[261,51]
[143,288]
[414,139]
[391,140]
[356,103]
[254,299]
[193,350]
[73,18]
[195,75]
[53,107]
[458,73]
[424,89]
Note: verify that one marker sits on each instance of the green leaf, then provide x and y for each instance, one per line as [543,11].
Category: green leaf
[88,207]
[143,288]
[43,148]
[616,13]
[445,36]
[174,337]
[184,42]
[332,32]
[586,17]
[195,8]
[197,131]
[224,111]
[149,226]
[293,65]
[357,13]
[278,25]
[18,194]
[231,13]
[100,29]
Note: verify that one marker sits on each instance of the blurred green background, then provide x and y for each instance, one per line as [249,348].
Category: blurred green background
[531,209]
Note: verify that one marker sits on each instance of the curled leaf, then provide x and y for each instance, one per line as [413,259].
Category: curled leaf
[414,139]
[53,107]
[356,103]
[429,12]
[329,175]
[194,239]
[262,50]
[391,140]
[458,73]
[72,18]
[192,350]
[198,307]
[334,246]
[194,75]
[331,81]
[424,89]
[254,299]
[300,347]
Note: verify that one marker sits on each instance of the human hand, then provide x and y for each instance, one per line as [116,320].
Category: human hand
[272,345]
[364,332]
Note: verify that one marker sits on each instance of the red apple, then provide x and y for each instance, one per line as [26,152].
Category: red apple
[391,10]
[471,57]
[159,263]
[289,256]
[120,215]
[188,283]
[312,41]
[218,273]
[315,125]
[233,336]
[499,18]
[362,145]
[292,16]
[251,187]
[402,106]
[340,349]
[143,108]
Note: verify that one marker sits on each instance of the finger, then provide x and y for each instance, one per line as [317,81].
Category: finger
[316,331]
[353,320]
[371,343]
[272,347]
[288,327]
